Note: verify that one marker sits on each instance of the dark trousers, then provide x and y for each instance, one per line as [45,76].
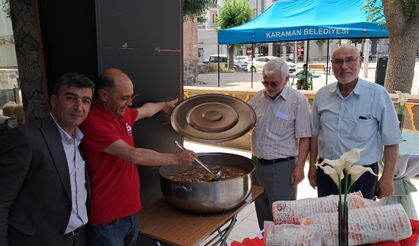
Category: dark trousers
[76,240]
[276,181]
[367,183]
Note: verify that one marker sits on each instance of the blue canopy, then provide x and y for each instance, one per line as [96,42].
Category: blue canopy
[292,20]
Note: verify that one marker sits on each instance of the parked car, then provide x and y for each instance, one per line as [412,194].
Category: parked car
[291,67]
[238,65]
[215,58]
[245,59]
[259,62]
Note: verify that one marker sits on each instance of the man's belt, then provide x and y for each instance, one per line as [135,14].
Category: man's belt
[274,161]
[73,233]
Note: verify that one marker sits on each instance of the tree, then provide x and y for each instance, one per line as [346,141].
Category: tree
[320,43]
[233,13]
[192,10]
[401,18]
[6,7]
[195,8]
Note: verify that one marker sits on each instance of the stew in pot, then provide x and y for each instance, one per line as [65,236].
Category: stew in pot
[197,174]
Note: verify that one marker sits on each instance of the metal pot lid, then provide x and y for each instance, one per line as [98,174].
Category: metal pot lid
[212,118]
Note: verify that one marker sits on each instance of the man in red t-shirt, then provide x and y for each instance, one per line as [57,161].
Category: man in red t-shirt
[112,157]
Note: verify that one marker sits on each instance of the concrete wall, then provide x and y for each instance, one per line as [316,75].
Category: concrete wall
[207,39]
[8,55]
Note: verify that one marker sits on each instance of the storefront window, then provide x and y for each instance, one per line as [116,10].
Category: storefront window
[10,98]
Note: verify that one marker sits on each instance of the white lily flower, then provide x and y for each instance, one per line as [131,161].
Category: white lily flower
[352,156]
[332,173]
[335,168]
[357,170]
[403,97]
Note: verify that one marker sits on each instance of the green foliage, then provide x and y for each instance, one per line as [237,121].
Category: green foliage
[356,40]
[234,13]
[195,8]
[320,42]
[410,8]
[243,46]
[6,7]
[376,13]
[201,19]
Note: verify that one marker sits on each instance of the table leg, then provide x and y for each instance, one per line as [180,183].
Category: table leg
[220,236]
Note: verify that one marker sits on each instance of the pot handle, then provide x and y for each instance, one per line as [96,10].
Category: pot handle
[177,187]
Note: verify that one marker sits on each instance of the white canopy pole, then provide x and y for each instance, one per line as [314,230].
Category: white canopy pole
[366,53]
[270,49]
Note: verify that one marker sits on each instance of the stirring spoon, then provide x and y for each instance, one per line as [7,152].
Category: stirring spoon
[216,176]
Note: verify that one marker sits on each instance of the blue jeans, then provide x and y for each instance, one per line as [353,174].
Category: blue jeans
[121,232]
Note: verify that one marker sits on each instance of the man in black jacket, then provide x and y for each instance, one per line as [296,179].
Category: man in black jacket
[43,186]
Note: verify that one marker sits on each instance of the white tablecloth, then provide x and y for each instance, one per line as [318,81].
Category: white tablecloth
[407,166]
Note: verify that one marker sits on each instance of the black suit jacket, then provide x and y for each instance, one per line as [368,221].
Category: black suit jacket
[35,191]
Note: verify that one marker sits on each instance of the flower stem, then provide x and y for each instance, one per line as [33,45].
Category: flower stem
[346,185]
[339,190]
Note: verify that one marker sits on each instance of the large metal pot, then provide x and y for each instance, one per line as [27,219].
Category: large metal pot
[210,197]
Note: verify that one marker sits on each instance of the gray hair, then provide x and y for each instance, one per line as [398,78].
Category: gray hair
[346,47]
[276,65]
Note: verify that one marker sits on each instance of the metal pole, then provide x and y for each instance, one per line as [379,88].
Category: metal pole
[251,61]
[327,62]
[308,50]
[218,61]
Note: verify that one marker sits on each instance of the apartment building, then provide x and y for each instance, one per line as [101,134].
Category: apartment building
[207,32]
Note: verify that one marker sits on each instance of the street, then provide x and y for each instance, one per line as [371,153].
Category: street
[243,80]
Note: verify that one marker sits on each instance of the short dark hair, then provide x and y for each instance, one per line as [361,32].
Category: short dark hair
[77,80]
[105,81]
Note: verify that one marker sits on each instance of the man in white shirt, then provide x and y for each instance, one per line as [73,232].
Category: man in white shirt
[280,139]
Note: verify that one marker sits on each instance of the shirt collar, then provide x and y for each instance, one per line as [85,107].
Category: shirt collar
[65,137]
[284,94]
[97,108]
[356,90]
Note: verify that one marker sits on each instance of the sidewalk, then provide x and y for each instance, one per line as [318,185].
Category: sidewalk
[247,225]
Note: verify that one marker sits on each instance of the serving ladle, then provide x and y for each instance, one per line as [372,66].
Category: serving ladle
[215,176]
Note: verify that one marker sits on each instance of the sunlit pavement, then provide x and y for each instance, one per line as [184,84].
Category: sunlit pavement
[247,225]
[249,81]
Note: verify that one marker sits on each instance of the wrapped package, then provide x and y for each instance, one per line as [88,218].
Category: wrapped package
[290,235]
[291,212]
[365,225]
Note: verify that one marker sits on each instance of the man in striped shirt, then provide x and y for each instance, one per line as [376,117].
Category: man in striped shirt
[280,139]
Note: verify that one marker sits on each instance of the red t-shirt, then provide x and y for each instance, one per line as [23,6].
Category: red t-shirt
[115,182]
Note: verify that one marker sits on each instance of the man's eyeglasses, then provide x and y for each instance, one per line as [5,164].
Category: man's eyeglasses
[273,84]
[348,61]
